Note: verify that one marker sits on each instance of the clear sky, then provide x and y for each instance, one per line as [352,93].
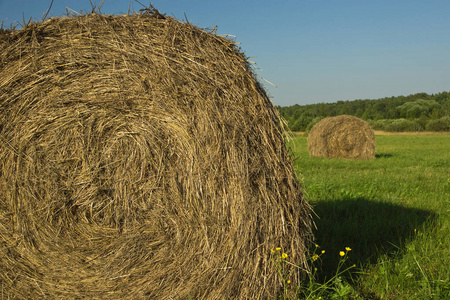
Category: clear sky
[312,50]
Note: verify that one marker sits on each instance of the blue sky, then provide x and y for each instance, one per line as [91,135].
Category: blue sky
[312,50]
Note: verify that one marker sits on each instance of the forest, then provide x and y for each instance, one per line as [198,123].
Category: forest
[416,112]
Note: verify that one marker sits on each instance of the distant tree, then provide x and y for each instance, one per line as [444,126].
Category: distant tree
[359,112]
[442,124]
[312,123]
[369,113]
[392,113]
[400,125]
[413,110]
[423,121]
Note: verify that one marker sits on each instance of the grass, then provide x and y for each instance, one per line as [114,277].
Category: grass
[393,212]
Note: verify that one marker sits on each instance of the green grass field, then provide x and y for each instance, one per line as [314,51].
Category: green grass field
[393,212]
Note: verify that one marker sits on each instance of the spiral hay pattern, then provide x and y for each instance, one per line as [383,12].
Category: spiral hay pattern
[342,137]
[140,159]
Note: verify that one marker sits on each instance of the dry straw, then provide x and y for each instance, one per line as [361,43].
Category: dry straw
[140,158]
[342,137]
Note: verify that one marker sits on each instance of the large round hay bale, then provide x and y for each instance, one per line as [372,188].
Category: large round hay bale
[342,137]
[140,158]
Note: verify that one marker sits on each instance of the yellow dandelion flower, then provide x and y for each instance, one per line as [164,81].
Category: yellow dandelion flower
[341,253]
[323,251]
[288,281]
[348,248]
[317,246]
[284,255]
[277,248]
[273,251]
[315,257]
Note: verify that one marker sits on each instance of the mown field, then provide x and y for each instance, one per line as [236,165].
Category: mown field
[393,212]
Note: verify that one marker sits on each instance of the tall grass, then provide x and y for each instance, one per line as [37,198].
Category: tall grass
[393,212]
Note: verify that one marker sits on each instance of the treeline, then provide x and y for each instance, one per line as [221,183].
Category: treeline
[417,112]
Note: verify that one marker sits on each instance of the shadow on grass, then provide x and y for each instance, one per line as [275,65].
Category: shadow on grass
[368,227]
[383,155]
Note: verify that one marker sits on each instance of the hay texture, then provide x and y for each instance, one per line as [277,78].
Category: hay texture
[342,137]
[140,159]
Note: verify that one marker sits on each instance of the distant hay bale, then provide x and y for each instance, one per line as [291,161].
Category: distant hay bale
[140,158]
[342,137]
